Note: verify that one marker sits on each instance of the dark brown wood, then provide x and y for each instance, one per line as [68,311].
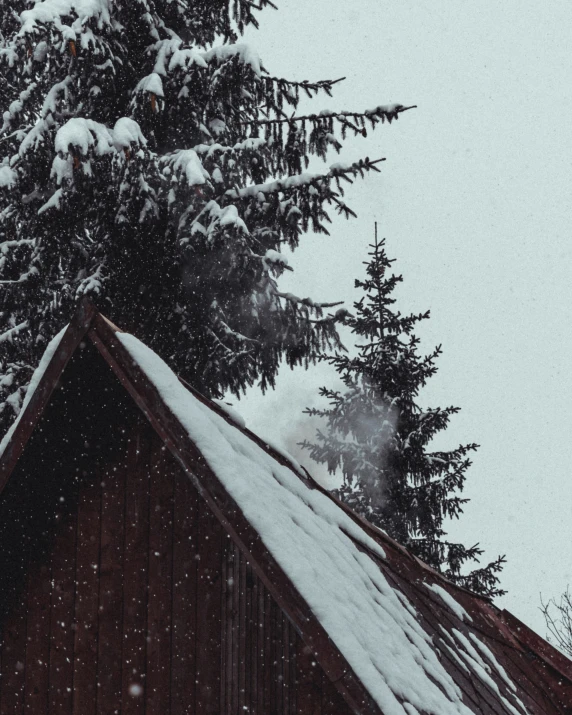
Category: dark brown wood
[277,657]
[13,662]
[332,701]
[255,635]
[208,644]
[136,560]
[276,652]
[267,657]
[435,616]
[185,536]
[285,665]
[110,639]
[226,626]
[293,648]
[261,648]
[243,629]
[235,621]
[38,639]
[62,616]
[236,628]
[87,597]
[158,679]
[309,681]
[248,633]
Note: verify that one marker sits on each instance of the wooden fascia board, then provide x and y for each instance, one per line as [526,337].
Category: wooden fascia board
[539,646]
[146,396]
[72,337]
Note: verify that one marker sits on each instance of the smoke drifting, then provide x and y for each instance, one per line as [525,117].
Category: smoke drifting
[305,430]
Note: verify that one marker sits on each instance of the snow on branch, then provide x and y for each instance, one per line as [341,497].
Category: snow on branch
[5,246]
[308,302]
[7,177]
[152,83]
[275,258]
[9,335]
[212,222]
[243,52]
[310,88]
[83,134]
[24,278]
[306,179]
[354,120]
[92,284]
[186,163]
[52,11]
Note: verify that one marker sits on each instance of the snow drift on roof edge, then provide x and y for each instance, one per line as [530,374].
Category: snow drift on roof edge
[312,539]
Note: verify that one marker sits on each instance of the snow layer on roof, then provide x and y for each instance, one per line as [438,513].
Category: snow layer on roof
[449,601]
[296,466]
[229,410]
[34,382]
[487,652]
[480,668]
[318,547]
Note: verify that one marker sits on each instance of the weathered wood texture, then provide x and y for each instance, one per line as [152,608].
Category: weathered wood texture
[121,592]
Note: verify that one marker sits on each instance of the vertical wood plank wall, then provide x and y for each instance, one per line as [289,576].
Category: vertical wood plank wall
[143,605]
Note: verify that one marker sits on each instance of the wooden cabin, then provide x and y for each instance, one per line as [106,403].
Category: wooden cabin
[158,558]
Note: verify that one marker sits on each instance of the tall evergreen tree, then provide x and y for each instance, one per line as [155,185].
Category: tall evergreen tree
[379,437]
[148,159]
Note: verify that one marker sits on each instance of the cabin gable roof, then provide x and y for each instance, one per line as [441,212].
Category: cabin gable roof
[467,650]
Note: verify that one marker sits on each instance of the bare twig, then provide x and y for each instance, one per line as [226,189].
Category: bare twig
[558,618]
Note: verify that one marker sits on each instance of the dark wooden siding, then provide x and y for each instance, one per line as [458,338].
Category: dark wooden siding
[121,592]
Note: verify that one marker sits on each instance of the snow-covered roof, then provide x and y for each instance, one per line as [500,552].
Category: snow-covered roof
[406,641]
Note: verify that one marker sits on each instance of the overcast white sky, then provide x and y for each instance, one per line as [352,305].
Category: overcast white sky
[475,202]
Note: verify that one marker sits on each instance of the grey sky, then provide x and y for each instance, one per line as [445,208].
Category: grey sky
[475,201]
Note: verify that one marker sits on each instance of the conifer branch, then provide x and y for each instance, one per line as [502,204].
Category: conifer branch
[373,115]
[324,84]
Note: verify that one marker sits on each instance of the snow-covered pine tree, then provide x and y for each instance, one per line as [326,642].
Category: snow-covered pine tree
[148,159]
[379,437]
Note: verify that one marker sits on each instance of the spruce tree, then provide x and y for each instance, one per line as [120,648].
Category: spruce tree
[149,160]
[379,437]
